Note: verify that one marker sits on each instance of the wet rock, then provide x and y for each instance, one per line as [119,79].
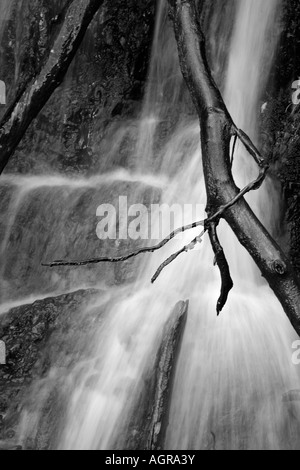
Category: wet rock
[280,121]
[165,369]
[105,81]
[5,446]
[59,221]
[48,334]
[287,157]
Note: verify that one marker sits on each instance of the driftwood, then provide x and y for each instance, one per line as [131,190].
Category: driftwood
[221,261]
[33,98]
[165,368]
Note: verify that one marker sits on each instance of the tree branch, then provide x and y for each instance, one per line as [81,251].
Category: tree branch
[233,150]
[224,198]
[245,139]
[151,249]
[214,218]
[32,99]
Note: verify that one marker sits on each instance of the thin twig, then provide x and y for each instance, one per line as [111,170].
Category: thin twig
[254,152]
[233,150]
[172,258]
[151,249]
[254,185]
[210,223]
[215,217]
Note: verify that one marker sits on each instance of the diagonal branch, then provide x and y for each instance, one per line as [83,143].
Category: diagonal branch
[151,249]
[250,147]
[174,256]
[33,98]
[224,198]
[214,218]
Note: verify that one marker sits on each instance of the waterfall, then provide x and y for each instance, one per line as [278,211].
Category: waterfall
[232,371]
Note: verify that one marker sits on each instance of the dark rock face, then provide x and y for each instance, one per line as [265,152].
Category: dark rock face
[28,29]
[44,221]
[44,343]
[104,82]
[47,335]
[149,419]
[281,124]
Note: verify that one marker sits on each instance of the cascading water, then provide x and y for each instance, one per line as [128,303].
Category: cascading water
[233,370]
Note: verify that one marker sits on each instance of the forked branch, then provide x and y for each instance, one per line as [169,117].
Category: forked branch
[209,224]
[217,129]
[221,261]
[174,256]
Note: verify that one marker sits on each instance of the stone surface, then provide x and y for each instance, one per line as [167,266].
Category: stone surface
[45,223]
[146,428]
[47,335]
[281,124]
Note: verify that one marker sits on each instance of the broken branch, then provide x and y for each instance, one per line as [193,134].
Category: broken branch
[151,249]
[250,147]
[174,256]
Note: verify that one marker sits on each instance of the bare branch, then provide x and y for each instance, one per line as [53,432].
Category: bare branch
[172,258]
[254,185]
[217,129]
[254,152]
[221,261]
[214,218]
[131,255]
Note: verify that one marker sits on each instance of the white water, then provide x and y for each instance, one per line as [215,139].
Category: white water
[232,370]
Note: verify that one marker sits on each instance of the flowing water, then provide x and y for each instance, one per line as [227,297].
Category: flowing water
[233,370]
